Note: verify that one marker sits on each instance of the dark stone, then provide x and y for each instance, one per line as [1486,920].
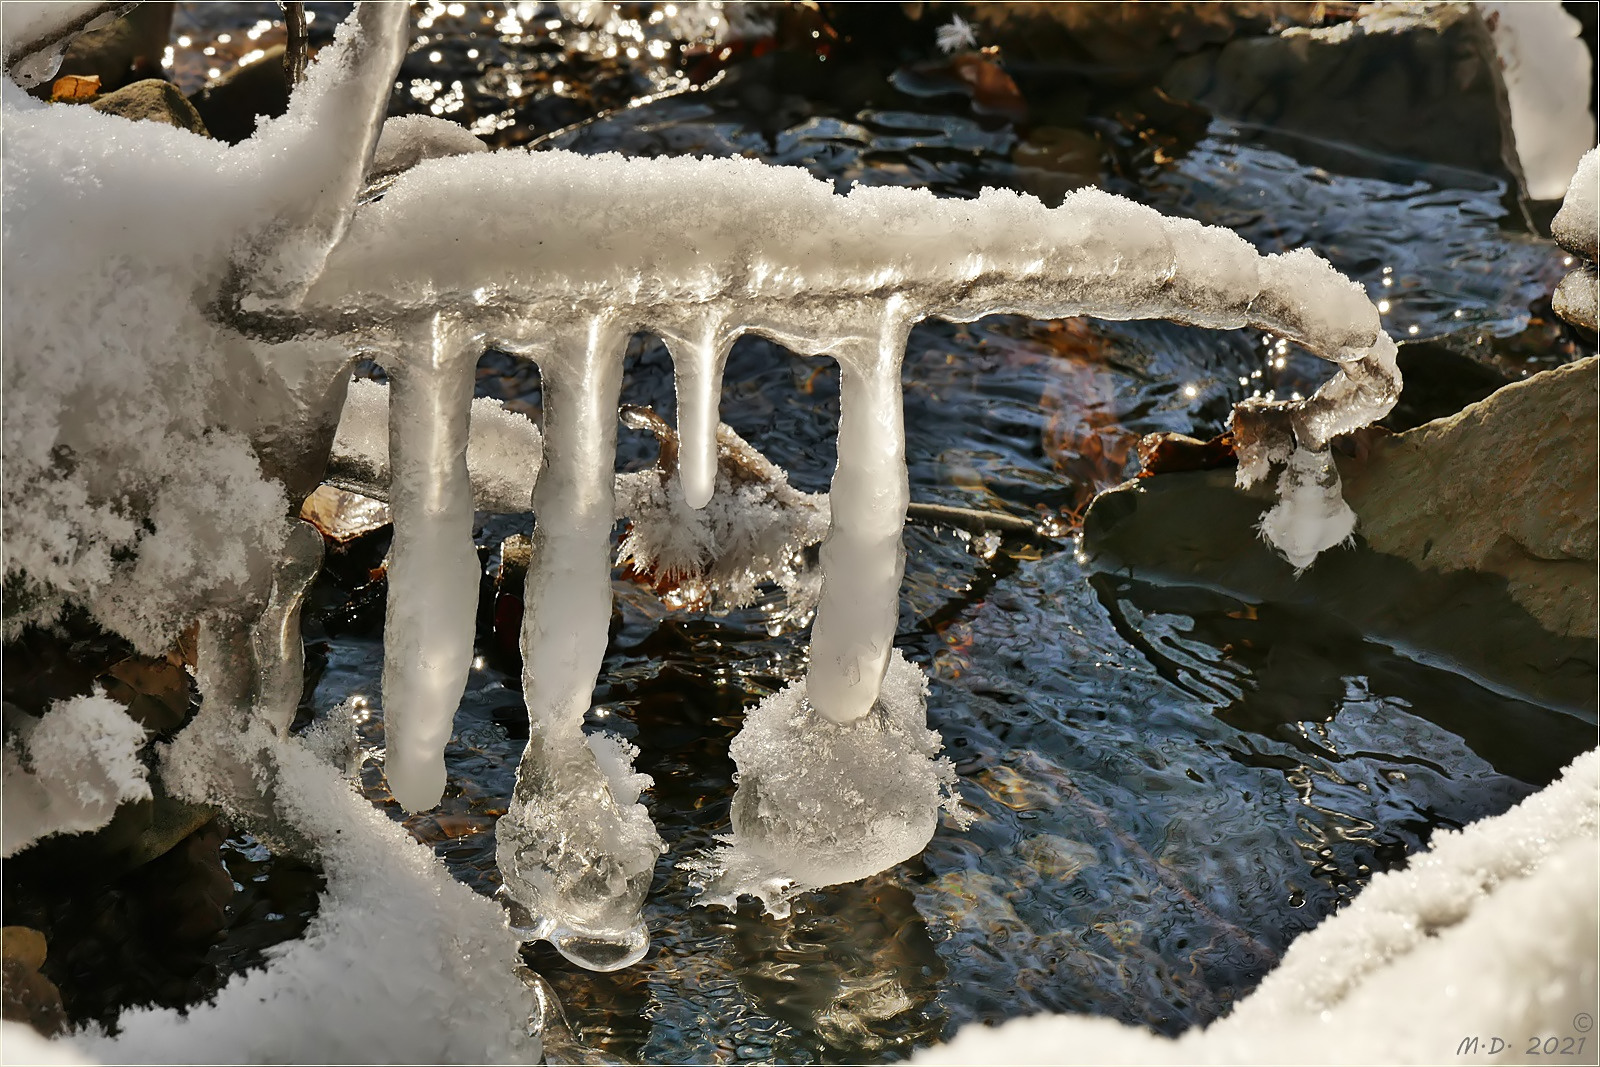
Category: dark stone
[124,52]
[152,100]
[1422,86]
[1196,530]
[230,105]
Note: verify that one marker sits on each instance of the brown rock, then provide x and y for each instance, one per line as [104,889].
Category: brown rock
[29,997]
[152,100]
[1504,487]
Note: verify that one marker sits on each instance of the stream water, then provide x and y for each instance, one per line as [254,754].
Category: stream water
[1155,822]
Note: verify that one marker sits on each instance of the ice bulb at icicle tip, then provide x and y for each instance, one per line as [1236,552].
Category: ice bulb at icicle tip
[577,851]
[417,782]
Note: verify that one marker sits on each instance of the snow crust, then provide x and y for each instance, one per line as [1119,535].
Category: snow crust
[67,771]
[1574,225]
[409,139]
[1492,930]
[504,450]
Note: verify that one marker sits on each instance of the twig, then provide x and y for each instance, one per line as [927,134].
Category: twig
[294,50]
[976,522]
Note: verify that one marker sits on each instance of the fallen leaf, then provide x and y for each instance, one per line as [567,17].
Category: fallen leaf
[74,87]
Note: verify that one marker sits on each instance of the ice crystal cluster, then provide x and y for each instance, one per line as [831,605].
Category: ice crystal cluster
[181,317]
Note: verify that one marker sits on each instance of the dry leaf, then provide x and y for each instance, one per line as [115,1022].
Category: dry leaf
[74,87]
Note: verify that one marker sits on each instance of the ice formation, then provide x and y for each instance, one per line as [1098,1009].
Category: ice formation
[1491,931]
[821,804]
[171,396]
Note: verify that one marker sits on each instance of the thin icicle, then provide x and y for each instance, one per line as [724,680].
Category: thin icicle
[697,364]
[863,558]
[433,566]
[279,653]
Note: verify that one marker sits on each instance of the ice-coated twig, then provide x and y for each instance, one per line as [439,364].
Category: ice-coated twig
[252,370]
[294,48]
[341,108]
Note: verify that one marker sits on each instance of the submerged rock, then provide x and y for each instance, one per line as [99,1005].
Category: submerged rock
[1475,540]
[1420,82]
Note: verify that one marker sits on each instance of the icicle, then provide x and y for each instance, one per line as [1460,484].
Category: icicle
[279,653]
[863,558]
[433,567]
[575,847]
[697,365]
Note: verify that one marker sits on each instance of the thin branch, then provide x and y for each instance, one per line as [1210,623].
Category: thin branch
[294,51]
[975,522]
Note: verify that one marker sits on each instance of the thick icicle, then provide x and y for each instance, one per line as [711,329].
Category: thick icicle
[433,567]
[863,558]
[575,847]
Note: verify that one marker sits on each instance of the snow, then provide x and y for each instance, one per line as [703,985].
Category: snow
[394,933]
[1491,931]
[1547,68]
[66,772]
[1574,225]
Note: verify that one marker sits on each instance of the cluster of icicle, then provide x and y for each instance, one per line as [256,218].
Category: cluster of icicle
[839,774]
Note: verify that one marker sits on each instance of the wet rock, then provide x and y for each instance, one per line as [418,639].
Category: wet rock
[152,100]
[231,105]
[1505,487]
[1475,543]
[1124,41]
[124,52]
[1418,82]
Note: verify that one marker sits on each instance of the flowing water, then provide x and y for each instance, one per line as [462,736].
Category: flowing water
[1168,785]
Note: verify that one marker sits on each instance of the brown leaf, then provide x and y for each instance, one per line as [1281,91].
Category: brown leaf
[156,691]
[343,516]
[1167,453]
[74,87]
